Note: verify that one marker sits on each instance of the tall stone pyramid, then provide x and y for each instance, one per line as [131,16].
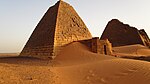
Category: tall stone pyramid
[120,34]
[59,26]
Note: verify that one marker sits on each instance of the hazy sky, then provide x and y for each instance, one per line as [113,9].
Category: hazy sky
[18,18]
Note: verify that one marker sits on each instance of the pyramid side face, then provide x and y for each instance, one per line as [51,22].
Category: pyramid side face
[41,42]
[145,37]
[120,34]
[69,27]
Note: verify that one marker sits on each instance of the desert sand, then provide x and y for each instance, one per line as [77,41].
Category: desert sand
[136,51]
[76,64]
[8,54]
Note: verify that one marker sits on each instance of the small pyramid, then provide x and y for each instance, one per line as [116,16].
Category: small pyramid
[59,26]
[120,34]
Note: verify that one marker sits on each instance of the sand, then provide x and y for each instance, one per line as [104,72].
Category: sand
[132,51]
[75,64]
[9,54]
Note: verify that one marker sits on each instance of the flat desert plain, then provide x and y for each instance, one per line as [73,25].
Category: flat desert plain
[76,64]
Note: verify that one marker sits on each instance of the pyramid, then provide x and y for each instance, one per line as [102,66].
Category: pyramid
[144,37]
[120,34]
[59,26]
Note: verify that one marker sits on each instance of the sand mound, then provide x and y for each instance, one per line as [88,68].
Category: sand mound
[78,53]
[132,50]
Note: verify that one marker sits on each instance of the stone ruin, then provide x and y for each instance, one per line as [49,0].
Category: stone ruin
[101,46]
[120,34]
[98,46]
[59,26]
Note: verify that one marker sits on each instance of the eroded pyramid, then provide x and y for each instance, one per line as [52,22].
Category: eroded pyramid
[59,26]
[120,34]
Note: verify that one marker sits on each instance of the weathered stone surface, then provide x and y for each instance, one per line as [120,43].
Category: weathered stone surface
[120,34]
[59,26]
[145,37]
[101,46]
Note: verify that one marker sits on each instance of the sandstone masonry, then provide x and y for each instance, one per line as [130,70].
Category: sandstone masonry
[59,26]
[120,34]
[101,46]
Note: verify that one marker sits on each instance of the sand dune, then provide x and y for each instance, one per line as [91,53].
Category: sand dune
[77,53]
[116,71]
[91,68]
[75,64]
[132,50]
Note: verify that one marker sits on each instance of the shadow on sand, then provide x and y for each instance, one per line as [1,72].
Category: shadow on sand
[139,58]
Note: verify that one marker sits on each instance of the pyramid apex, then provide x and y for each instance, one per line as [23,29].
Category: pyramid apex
[115,21]
[61,1]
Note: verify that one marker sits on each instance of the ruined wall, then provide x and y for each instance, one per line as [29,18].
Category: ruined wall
[105,44]
[120,34]
[95,44]
[145,37]
[101,46]
[59,26]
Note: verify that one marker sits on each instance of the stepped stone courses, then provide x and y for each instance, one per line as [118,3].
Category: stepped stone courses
[145,37]
[59,26]
[120,34]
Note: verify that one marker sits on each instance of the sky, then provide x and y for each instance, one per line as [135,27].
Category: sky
[18,18]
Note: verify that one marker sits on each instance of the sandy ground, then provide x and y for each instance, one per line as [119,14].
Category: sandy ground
[76,65]
[9,54]
[138,52]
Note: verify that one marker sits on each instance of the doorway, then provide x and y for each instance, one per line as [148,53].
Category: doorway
[105,50]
